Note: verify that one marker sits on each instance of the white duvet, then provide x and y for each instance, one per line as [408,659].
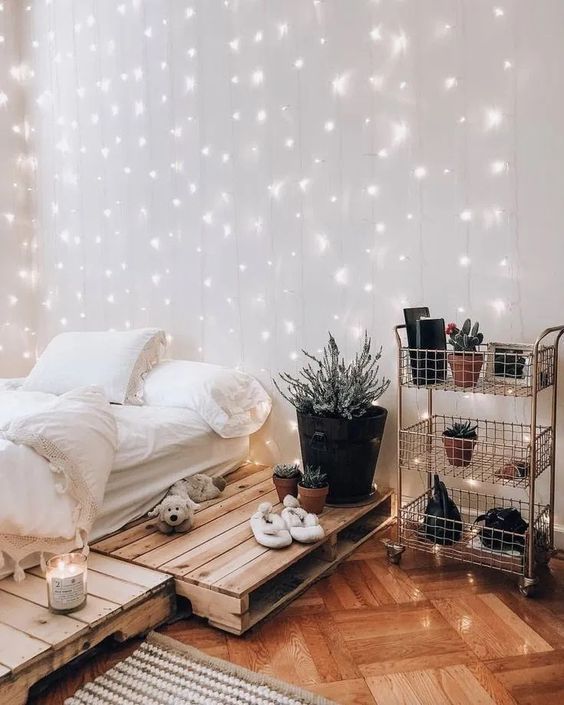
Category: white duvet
[56,453]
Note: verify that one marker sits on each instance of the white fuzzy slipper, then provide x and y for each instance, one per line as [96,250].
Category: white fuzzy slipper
[303,527]
[270,529]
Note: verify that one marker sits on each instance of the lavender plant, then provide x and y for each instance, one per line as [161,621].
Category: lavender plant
[327,386]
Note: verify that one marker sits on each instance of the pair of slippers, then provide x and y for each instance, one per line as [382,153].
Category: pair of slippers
[292,524]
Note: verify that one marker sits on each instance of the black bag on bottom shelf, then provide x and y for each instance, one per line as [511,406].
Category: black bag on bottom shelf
[499,520]
[443,523]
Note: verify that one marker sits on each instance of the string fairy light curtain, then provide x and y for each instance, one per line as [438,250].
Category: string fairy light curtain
[250,173]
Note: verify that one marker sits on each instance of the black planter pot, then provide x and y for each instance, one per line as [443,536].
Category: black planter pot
[347,450]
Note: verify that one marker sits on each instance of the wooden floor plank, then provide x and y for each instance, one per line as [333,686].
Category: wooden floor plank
[454,685]
[489,627]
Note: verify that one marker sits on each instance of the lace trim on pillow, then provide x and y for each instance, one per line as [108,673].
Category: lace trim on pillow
[148,358]
[17,547]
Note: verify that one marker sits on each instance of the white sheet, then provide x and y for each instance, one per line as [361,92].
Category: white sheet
[156,447]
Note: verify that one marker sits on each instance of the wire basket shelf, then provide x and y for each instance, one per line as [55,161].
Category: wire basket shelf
[506,371]
[470,542]
[500,454]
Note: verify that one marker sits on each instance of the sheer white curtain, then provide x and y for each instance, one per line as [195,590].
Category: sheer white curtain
[248,174]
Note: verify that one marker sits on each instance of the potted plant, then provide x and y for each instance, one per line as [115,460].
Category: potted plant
[340,425]
[286,478]
[459,441]
[465,361]
[313,489]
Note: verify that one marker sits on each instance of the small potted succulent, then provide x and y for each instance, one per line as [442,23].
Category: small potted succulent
[286,478]
[313,489]
[459,441]
[465,361]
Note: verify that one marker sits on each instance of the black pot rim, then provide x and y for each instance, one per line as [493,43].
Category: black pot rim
[375,412]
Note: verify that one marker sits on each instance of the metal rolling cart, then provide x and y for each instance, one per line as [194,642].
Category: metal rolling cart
[504,453]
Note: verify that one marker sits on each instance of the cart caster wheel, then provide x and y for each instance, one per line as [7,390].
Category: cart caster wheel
[394,551]
[527,586]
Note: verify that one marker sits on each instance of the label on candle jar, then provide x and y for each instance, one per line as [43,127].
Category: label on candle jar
[67,593]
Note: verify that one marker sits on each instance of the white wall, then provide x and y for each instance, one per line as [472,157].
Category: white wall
[250,174]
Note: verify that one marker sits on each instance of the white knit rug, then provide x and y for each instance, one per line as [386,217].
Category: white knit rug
[165,672]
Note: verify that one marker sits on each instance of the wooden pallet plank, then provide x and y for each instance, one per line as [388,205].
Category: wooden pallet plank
[37,621]
[142,529]
[123,625]
[251,575]
[152,543]
[34,589]
[206,551]
[230,612]
[17,647]
[107,587]
[130,573]
[157,557]
[214,570]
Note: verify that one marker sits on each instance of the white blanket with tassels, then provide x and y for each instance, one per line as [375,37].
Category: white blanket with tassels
[56,453]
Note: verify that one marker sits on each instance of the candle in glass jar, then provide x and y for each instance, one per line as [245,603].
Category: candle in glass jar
[66,582]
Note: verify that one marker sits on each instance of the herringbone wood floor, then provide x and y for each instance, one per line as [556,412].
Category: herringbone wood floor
[419,634]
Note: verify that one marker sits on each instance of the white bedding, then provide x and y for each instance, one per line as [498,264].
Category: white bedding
[156,447]
[56,454]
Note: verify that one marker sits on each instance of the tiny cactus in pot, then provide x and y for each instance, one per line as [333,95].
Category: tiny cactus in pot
[286,477]
[459,441]
[313,488]
[465,361]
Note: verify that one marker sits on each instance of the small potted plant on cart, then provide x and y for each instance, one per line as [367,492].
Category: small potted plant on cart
[313,488]
[465,360]
[286,477]
[459,441]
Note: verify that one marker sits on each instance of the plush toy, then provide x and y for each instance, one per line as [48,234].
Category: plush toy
[175,514]
[176,511]
[199,487]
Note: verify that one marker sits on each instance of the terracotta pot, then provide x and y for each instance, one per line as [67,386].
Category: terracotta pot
[313,499]
[285,485]
[459,450]
[466,368]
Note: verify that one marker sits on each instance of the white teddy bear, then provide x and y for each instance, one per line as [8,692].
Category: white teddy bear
[176,511]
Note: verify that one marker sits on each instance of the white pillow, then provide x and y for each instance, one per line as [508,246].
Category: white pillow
[117,361]
[233,403]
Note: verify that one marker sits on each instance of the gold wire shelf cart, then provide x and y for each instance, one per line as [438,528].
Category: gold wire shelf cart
[503,453]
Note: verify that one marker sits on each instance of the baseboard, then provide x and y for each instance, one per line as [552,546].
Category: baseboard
[559,536]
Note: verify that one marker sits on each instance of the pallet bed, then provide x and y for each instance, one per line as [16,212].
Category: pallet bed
[228,577]
[123,601]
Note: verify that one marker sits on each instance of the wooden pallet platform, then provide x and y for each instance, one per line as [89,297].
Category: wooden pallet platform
[228,577]
[123,601]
